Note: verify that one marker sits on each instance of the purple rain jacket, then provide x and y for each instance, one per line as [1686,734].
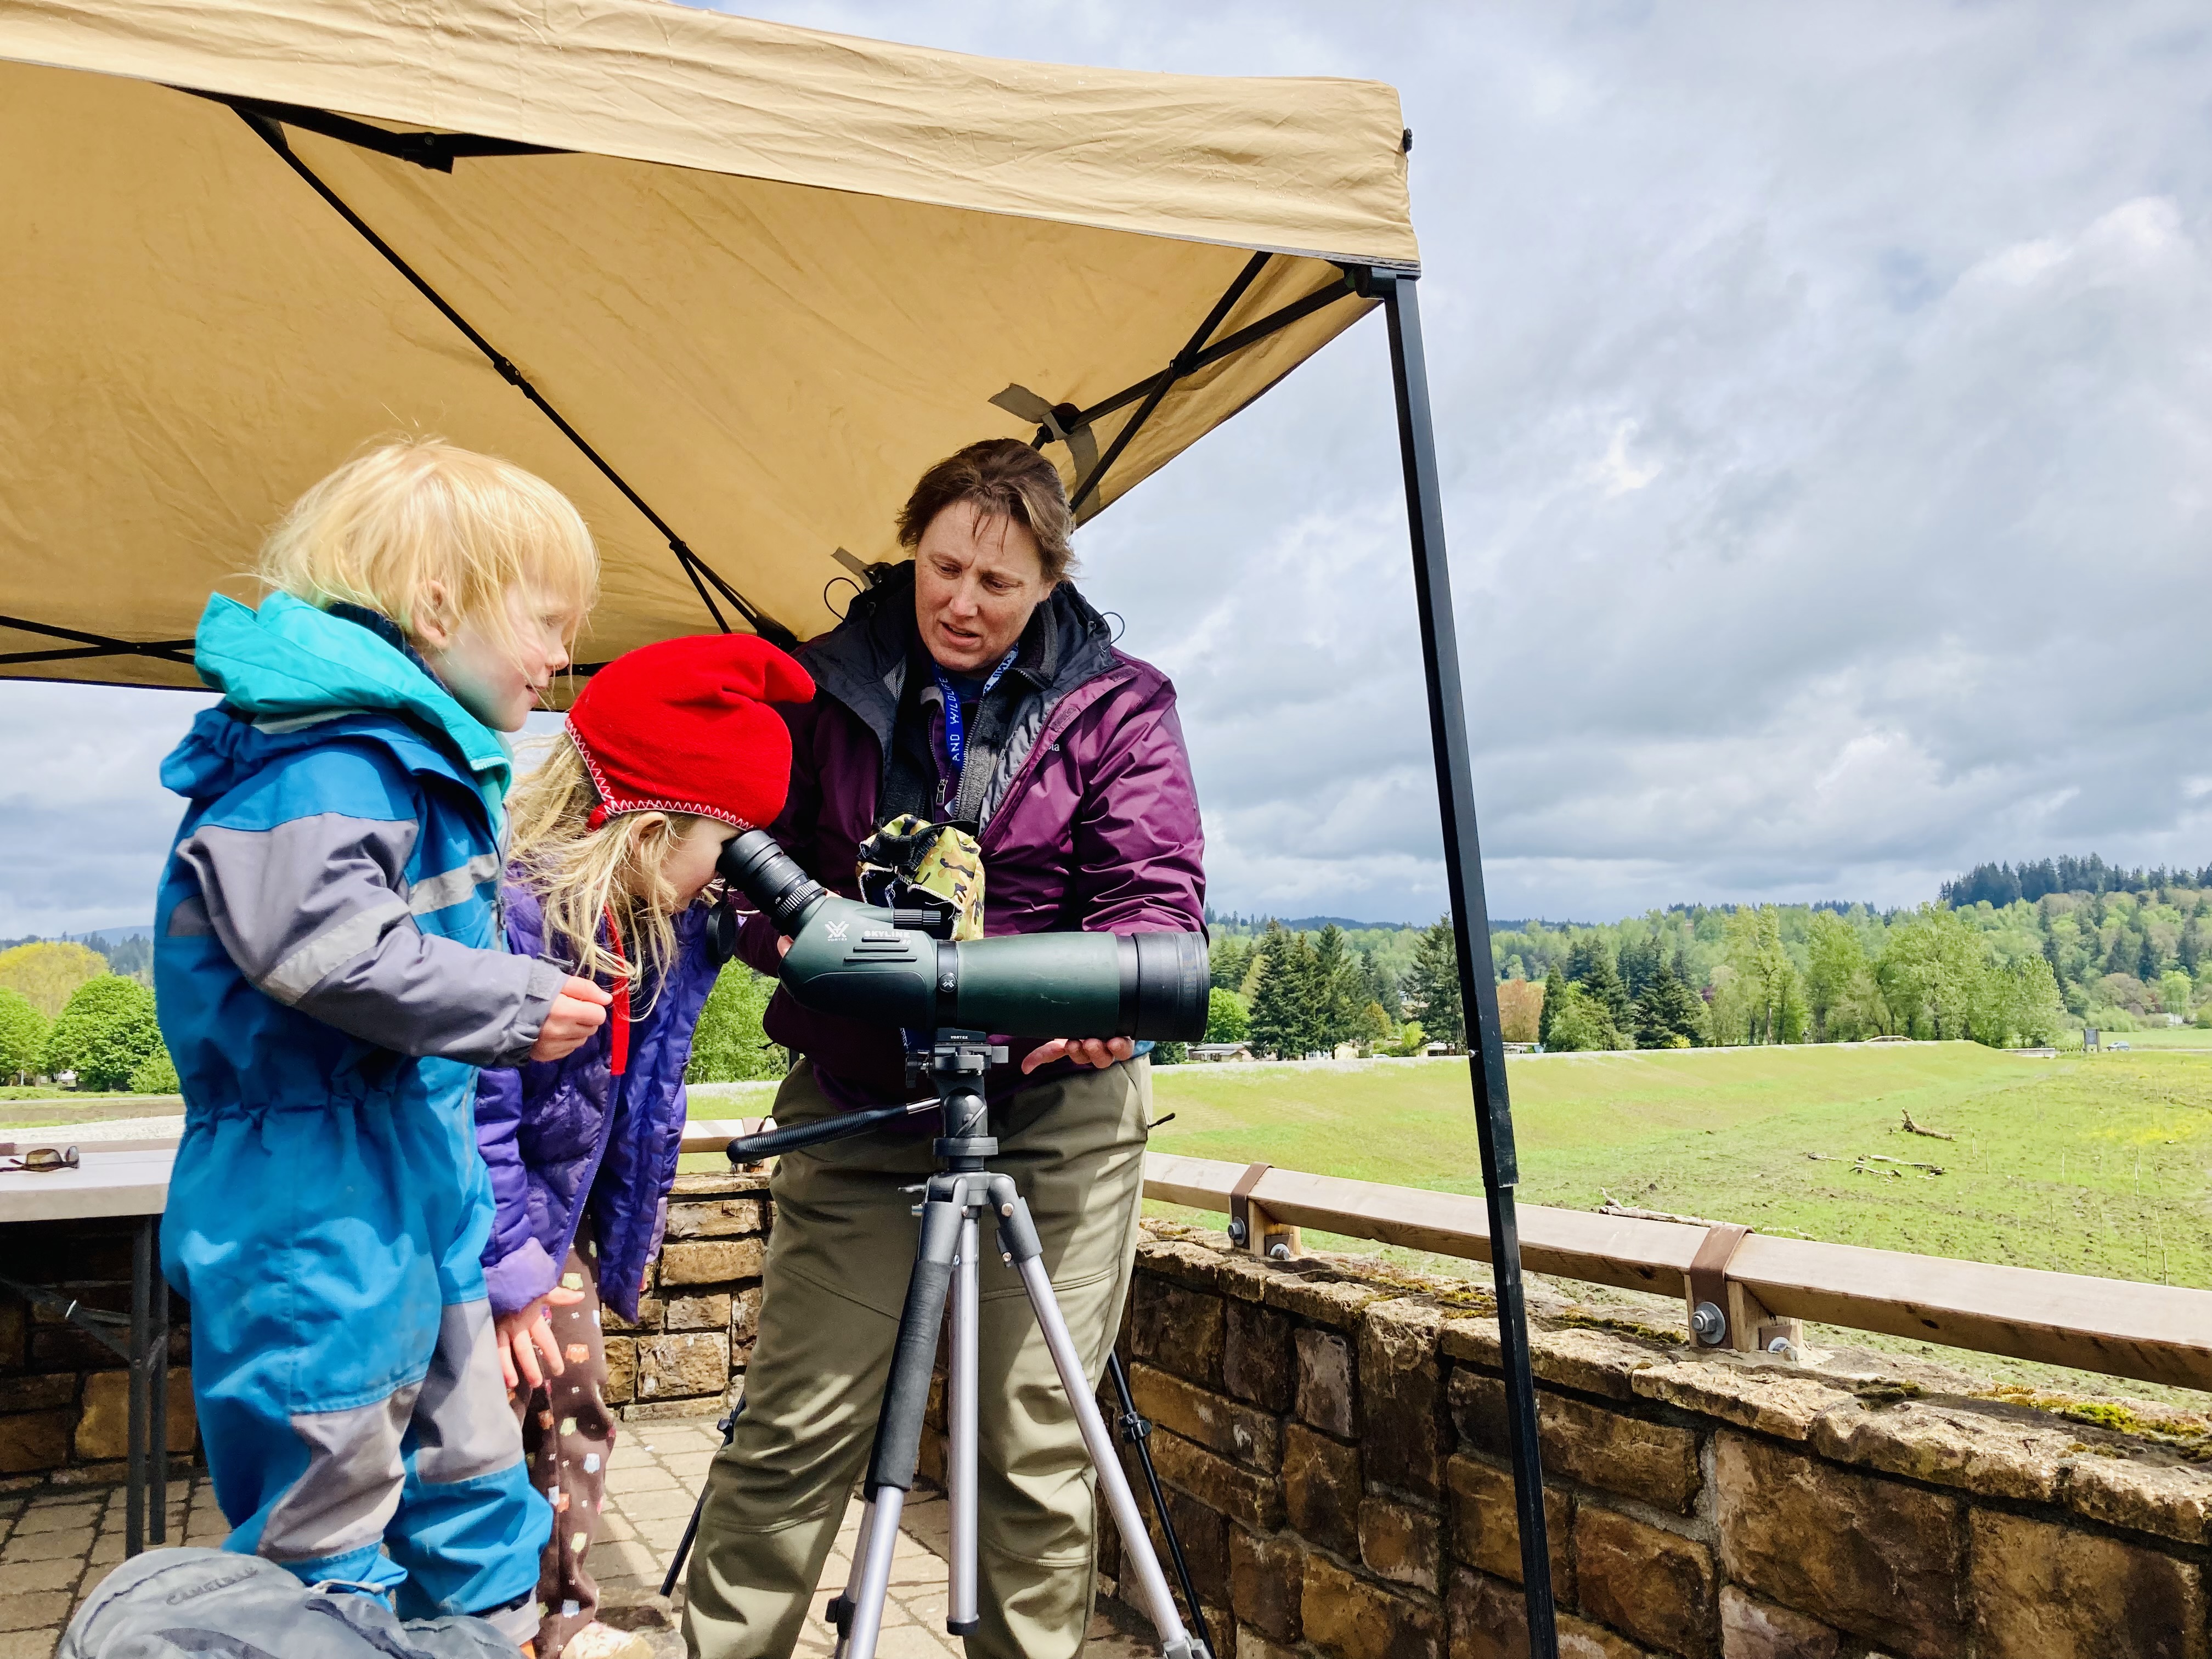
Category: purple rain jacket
[1089,823]
[563,1136]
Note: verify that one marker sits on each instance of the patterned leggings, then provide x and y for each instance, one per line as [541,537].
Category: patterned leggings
[568,1434]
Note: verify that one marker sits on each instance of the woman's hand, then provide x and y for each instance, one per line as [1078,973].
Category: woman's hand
[526,1332]
[1100,1052]
[579,1009]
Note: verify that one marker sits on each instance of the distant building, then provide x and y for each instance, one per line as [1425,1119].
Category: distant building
[1220,1051]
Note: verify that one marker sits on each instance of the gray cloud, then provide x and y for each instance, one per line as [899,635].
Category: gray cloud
[1826,421]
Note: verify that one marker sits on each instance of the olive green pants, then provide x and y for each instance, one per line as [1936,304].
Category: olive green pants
[838,1260]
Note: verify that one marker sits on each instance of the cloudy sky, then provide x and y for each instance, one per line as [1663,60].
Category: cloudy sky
[1824,396]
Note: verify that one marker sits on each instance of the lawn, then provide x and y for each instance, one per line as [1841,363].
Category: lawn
[2088,1164]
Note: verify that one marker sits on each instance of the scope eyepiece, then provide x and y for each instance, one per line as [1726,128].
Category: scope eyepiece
[755,865]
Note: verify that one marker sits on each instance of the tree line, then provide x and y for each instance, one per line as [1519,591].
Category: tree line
[2000,885]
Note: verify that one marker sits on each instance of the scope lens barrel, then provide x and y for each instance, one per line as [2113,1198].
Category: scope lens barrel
[766,874]
[1166,979]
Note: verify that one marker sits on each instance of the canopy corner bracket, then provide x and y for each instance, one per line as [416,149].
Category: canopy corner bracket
[1064,422]
[434,152]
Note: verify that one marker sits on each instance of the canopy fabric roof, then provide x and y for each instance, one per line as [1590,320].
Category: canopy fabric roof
[766,274]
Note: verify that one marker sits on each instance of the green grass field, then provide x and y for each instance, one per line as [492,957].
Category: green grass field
[2093,1163]
[2089,1163]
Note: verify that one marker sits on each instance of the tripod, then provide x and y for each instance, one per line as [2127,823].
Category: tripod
[956,1203]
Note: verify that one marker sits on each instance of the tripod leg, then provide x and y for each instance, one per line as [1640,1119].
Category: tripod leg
[1017,1236]
[839,1613]
[728,1425]
[906,1401]
[960,1393]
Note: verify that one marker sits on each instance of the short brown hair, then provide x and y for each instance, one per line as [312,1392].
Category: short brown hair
[1006,479]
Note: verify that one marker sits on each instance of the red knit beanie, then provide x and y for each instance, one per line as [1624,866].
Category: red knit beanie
[685,726]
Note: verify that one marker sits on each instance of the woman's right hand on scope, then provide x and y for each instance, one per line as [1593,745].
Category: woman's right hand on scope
[579,1009]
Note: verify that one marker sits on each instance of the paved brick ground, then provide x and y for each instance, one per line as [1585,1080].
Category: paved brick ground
[58,1543]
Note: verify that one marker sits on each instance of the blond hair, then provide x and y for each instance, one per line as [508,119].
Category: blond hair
[417,511]
[582,875]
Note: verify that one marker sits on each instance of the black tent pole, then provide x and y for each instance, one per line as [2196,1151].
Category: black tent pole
[1494,1113]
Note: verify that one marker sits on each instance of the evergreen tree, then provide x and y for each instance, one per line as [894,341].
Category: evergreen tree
[1231,959]
[1432,987]
[1380,986]
[2147,966]
[1641,960]
[1283,1022]
[1555,994]
[1337,991]
[1669,1014]
[1589,965]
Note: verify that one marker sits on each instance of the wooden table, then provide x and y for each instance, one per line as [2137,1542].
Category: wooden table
[106,1183]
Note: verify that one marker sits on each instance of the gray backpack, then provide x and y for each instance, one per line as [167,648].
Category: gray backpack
[211,1604]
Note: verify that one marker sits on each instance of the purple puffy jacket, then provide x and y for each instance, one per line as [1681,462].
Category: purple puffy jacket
[1089,823]
[562,1135]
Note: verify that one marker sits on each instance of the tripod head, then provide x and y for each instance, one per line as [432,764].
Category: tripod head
[954,1066]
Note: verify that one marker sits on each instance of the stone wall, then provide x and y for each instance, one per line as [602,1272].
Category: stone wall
[686,1354]
[65,1396]
[64,1401]
[1334,1448]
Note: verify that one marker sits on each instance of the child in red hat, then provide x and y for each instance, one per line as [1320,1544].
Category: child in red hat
[667,754]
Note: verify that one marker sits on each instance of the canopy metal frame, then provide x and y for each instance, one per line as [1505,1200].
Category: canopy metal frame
[1396,289]
[1470,912]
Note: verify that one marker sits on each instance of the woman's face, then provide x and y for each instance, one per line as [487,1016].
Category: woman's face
[976,579]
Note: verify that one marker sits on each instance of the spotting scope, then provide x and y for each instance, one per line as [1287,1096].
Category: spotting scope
[885,967]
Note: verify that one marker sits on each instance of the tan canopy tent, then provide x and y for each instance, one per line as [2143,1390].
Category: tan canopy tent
[731,285]
[762,276]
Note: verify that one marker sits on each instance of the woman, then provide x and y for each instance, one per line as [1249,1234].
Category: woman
[973,685]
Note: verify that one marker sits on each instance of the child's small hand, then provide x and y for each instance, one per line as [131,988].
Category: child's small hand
[579,1009]
[526,1332]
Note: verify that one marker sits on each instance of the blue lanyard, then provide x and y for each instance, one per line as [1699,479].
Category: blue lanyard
[956,739]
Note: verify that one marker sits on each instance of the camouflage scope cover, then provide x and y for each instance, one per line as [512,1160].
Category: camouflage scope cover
[911,858]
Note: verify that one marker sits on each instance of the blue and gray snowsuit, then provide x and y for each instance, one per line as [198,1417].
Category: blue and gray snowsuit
[329,976]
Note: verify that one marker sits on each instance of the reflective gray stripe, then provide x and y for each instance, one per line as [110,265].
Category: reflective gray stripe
[332,948]
[436,892]
[280,726]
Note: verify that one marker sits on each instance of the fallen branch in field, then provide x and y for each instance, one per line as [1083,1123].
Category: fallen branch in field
[1899,1166]
[1615,1207]
[1912,1128]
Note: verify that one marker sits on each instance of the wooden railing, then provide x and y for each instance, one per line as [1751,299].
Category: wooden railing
[2153,1332]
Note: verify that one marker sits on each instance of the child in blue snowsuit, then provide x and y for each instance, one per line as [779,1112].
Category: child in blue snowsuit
[329,976]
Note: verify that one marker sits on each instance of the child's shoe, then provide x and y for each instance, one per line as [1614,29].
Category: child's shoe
[599,1641]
